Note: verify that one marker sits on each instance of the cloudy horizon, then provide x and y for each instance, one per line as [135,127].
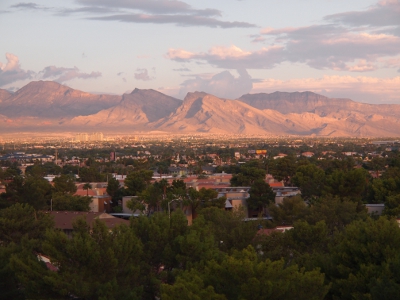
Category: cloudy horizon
[229,48]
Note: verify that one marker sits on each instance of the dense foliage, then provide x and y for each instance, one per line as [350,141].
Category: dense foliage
[335,250]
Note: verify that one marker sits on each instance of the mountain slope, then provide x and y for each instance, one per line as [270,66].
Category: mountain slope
[201,112]
[4,95]
[51,107]
[137,108]
[310,102]
[48,99]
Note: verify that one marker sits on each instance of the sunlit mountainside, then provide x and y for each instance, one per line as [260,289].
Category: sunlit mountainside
[49,106]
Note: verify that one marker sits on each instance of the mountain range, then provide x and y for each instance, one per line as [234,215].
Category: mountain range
[52,107]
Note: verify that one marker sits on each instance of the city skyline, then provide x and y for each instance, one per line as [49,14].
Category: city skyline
[227,48]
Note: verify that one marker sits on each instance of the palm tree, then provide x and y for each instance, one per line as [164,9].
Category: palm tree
[86,187]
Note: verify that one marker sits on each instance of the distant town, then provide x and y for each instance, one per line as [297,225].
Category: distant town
[153,209]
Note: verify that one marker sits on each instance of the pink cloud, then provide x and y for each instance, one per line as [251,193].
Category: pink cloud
[232,57]
[12,71]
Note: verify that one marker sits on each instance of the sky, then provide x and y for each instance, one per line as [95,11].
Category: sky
[337,48]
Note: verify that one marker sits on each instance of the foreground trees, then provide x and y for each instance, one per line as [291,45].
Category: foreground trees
[243,276]
[333,252]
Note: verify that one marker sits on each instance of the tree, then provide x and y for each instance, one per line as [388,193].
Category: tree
[20,225]
[161,237]
[203,198]
[91,174]
[87,186]
[337,213]
[352,184]
[36,192]
[310,179]
[227,227]
[91,251]
[137,181]
[242,276]
[36,170]
[284,168]
[247,176]
[20,220]
[289,211]
[113,187]
[392,206]
[364,261]
[261,194]
[70,202]
[64,184]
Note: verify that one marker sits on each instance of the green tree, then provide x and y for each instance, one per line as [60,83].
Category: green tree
[364,260]
[289,211]
[242,276]
[227,228]
[261,194]
[113,187]
[337,213]
[160,237]
[91,251]
[36,170]
[20,220]
[36,192]
[247,176]
[64,184]
[70,202]
[310,179]
[91,174]
[20,225]
[137,181]
[392,206]
[87,186]
[203,198]
[352,184]
[284,169]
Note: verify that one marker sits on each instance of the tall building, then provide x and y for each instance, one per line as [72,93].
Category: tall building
[93,137]
[96,137]
[81,137]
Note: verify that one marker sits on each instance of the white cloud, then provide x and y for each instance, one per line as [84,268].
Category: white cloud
[223,85]
[11,71]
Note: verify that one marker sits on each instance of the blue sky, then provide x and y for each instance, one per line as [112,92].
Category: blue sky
[338,48]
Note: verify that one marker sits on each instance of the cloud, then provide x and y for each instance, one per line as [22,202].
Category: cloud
[232,57]
[335,47]
[29,6]
[358,88]
[223,84]
[152,6]
[319,46]
[182,70]
[142,11]
[143,74]
[61,74]
[11,71]
[384,13]
[353,41]
[181,20]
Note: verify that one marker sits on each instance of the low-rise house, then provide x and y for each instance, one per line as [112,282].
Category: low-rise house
[64,220]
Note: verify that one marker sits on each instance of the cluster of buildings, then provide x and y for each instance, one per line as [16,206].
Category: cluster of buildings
[92,137]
